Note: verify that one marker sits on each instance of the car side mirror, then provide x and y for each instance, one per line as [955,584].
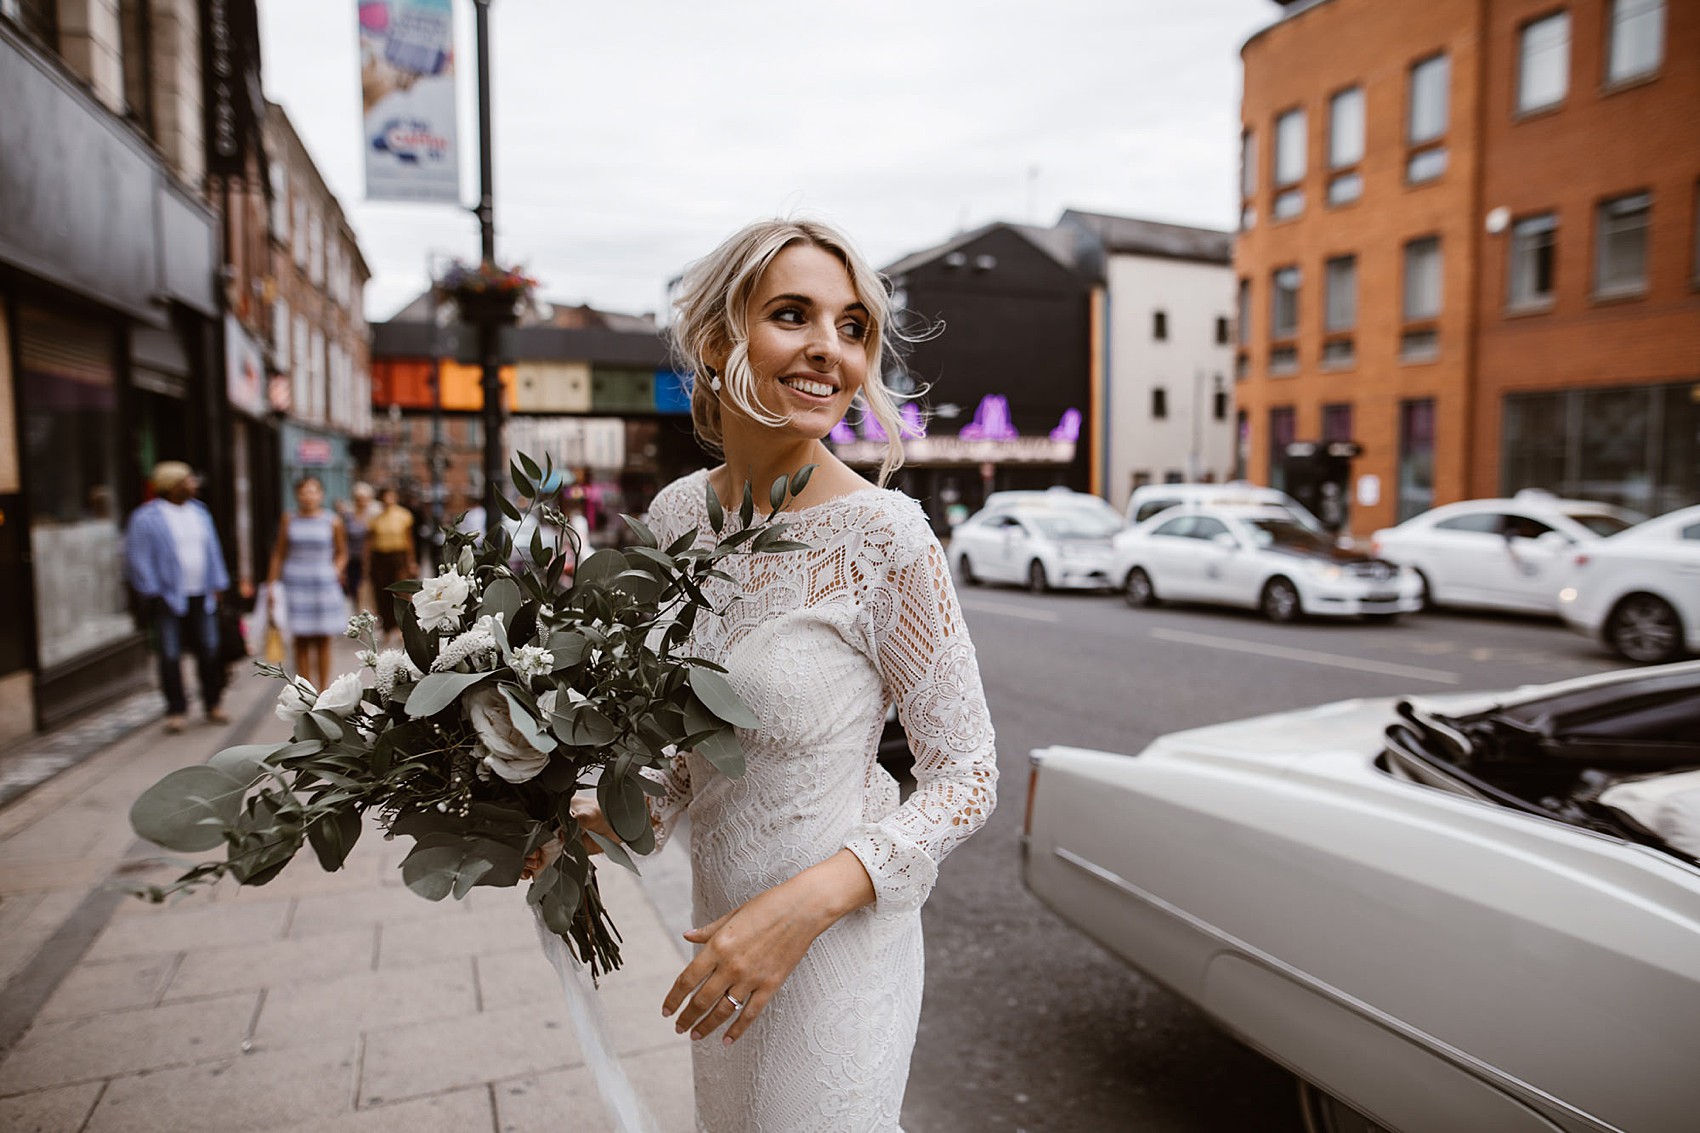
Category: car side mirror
[1554,540]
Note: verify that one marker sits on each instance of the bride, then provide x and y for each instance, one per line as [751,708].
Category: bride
[808,875]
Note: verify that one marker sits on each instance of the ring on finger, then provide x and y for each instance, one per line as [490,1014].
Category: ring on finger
[737,1004]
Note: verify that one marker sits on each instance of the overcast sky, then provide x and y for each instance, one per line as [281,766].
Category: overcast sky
[632,135]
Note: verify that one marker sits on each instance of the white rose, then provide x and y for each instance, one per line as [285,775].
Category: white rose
[441,601]
[507,750]
[295,700]
[342,698]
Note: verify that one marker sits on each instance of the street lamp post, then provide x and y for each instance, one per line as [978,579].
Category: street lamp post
[489,329]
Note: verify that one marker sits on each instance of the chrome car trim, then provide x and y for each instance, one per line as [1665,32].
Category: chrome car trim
[1461,1059]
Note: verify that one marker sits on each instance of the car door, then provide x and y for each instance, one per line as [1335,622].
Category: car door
[1537,555]
[1174,559]
[1244,568]
[1218,555]
[1464,558]
[1008,549]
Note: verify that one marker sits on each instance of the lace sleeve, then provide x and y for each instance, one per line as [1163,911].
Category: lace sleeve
[927,662]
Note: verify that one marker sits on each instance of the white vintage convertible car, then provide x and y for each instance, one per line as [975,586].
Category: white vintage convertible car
[1451,914]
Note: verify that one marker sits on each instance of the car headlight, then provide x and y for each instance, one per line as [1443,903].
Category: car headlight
[1327,572]
[1568,594]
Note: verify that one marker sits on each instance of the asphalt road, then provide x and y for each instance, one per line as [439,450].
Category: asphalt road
[1028,1025]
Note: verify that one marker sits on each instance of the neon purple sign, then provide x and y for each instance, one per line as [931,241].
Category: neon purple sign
[991,421]
[1068,429]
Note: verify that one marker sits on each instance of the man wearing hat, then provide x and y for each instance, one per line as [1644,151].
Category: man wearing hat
[172,553]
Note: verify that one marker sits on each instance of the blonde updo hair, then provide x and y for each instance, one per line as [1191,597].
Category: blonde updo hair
[710,317]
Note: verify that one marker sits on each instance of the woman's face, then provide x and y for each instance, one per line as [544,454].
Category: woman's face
[808,340]
[309,494]
[391,497]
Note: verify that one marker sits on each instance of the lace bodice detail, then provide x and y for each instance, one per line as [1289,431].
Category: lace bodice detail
[819,643]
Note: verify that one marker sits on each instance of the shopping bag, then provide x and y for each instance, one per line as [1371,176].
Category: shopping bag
[274,645]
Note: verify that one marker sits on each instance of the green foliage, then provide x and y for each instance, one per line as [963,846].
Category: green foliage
[584,678]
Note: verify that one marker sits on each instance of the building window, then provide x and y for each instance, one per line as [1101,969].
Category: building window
[1160,325]
[38,17]
[1637,39]
[279,177]
[1543,62]
[1336,423]
[1344,188]
[1346,128]
[1290,162]
[1283,361]
[1636,446]
[1533,249]
[1340,294]
[1422,280]
[1242,366]
[1248,177]
[1243,315]
[1284,304]
[1159,403]
[1219,401]
[136,49]
[1339,354]
[1620,251]
[1283,429]
[1221,330]
[1425,128]
[1416,458]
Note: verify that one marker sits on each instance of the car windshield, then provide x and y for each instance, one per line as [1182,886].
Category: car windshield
[1286,535]
[1074,524]
[1601,523]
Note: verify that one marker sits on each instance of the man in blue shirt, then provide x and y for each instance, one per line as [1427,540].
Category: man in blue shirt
[173,558]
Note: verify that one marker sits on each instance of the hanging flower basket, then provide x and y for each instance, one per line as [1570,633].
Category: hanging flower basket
[485,293]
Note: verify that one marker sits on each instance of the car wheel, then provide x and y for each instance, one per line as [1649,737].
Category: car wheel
[1645,629]
[1280,601]
[1425,594]
[1036,580]
[1137,589]
[966,570]
[1324,1113]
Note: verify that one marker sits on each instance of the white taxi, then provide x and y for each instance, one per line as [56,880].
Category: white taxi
[1259,557]
[1040,545]
[1639,591]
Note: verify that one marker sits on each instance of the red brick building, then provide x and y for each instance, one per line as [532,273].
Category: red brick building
[1469,245]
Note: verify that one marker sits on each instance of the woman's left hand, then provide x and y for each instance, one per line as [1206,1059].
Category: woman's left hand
[751,951]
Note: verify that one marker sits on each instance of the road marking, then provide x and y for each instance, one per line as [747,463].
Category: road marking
[986,607]
[1309,656]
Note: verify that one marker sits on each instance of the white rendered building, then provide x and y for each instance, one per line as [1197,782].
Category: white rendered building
[1167,326]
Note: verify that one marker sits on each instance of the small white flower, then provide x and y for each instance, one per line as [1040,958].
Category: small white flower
[391,666]
[531,661]
[362,623]
[475,645]
[507,751]
[441,601]
[367,658]
[295,700]
[342,698]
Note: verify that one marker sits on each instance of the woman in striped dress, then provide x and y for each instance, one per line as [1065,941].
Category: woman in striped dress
[310,560]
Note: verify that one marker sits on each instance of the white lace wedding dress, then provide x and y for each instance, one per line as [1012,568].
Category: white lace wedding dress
[818,644]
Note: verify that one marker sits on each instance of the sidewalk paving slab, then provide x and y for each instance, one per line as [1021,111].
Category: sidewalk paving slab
[321,1003]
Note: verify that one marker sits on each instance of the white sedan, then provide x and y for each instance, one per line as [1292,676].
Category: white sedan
[1038,545]
[1258,557]
[1476,915]
[1639,591]
[1499,554]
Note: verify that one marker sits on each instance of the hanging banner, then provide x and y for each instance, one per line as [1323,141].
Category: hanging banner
[407,91]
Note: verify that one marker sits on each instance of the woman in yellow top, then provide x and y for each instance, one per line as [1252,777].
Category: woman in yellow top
[390,544]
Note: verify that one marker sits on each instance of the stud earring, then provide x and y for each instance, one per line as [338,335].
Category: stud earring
[713,381]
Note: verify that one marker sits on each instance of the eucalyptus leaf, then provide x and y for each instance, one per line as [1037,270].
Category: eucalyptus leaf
[622,801]
[718,697]
[439,690]
[716,513]
[616,852]
[599,567]
[747,507]
[568,648]
[776,493]
[724,750]
[800,478]
[502,597]
[646,537]
[529,466]
[188,810]
[333,836]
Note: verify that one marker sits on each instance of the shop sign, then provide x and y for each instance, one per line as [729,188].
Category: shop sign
[244,370]
[961,451]
[312,452]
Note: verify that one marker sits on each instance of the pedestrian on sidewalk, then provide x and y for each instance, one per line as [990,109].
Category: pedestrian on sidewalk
[309,559]
[392,557]
[357,516]
[174,561]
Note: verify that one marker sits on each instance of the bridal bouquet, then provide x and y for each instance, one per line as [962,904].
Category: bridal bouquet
[515,691]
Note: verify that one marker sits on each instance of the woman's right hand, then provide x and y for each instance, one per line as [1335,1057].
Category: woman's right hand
[587,812]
